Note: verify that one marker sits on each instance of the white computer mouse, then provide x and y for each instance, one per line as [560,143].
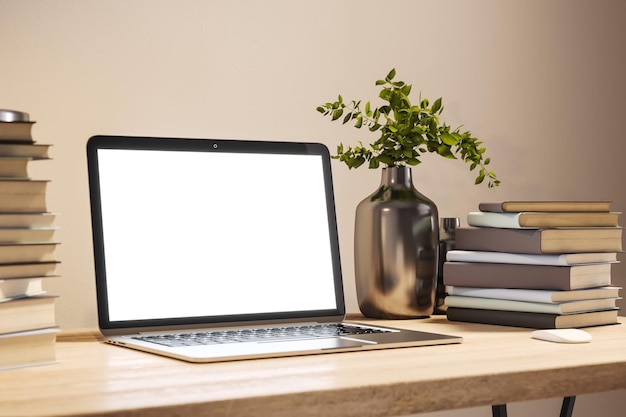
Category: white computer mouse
[562,335]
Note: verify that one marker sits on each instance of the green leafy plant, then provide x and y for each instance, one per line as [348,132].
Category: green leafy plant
[406,132]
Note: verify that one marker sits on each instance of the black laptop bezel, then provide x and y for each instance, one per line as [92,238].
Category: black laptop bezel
[205,145]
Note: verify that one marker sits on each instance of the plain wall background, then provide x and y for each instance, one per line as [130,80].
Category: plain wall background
[540,82]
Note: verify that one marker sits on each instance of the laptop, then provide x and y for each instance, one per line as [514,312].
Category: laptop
[218,250]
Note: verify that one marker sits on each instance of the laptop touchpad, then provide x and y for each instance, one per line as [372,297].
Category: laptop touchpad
[313,344]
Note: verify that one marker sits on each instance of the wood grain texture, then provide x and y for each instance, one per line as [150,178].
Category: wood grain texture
[493,365]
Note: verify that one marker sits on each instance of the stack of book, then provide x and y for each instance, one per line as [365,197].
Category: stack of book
[535,264]
[27,250]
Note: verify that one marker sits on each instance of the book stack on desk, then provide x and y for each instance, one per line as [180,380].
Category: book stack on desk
[535,264]
[27,249]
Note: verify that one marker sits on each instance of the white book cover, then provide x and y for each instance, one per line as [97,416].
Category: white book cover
[536,296]
[569,307]
[493,219]
[531,259]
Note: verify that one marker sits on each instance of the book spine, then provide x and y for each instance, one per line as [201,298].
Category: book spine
[535,295]
[494,219]
[499,240]
[543,277]
[547,206]
[507,258]
[491,207]
[507,305]
[502,318]
[530,295]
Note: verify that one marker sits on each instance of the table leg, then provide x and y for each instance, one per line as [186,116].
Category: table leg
[566,409]
[568,406]
[499,410]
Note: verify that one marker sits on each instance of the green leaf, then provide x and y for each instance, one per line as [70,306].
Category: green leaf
[356,162]
[448,139]
[444,151]
[432,127]
[386,159]
[391,75]
[436,105]
[337,114]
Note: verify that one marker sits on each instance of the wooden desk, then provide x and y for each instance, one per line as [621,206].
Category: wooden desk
[494,365]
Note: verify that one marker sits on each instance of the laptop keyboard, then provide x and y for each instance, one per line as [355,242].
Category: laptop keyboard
[260,334]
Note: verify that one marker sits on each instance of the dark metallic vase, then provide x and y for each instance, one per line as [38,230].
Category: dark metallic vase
[395,244]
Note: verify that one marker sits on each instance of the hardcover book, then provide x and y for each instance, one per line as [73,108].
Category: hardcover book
[533,295]
[27,270]
[8,188]
[546,277]
[542,219]
[14,168]
[568,307]
[532,320]
[538,241]
[15,253]
[30,150]
[14,288]
[26,220]
[22,196]
[23,203]
[26,234]
[16,131]
[563,259]
[30,313]
[35,347]
[546,206]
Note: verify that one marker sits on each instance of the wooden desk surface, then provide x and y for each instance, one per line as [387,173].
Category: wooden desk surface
[493,365]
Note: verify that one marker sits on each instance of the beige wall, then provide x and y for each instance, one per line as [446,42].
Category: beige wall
[540,82]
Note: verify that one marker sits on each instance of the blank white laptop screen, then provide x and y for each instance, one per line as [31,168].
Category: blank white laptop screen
[192,234]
